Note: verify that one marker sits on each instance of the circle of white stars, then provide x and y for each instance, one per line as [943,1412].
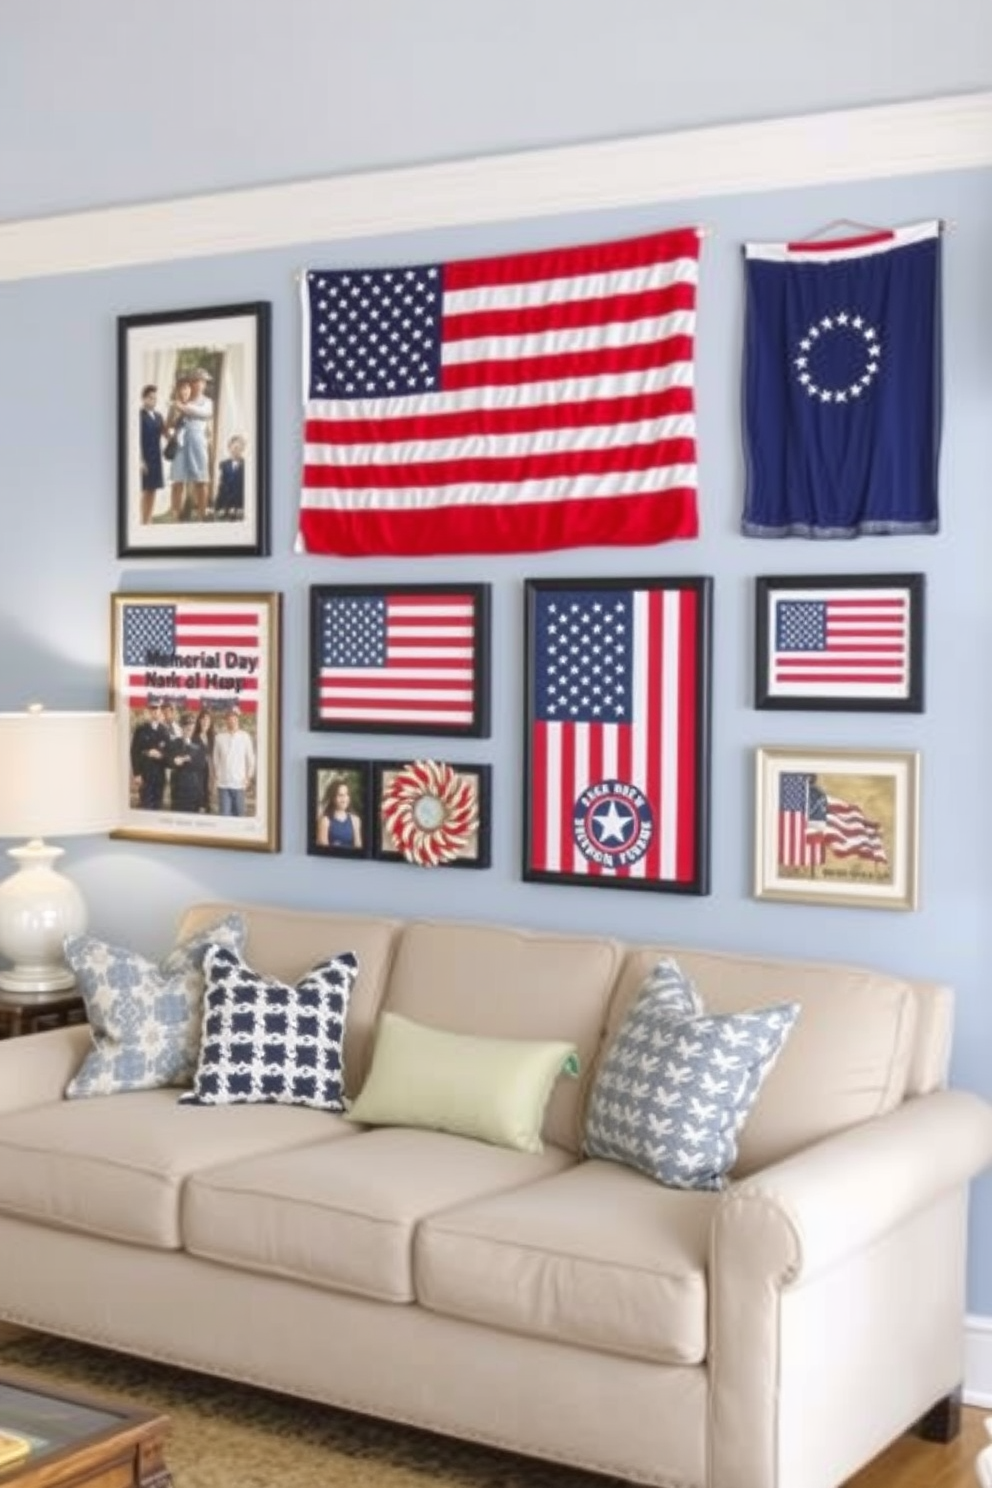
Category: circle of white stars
[828,325]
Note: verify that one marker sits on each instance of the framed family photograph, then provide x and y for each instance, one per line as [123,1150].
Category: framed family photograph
[837,826]
[193,433]
[432,813]
[400,658]
[339,808]
[851,642]
[195,686]
[617,733]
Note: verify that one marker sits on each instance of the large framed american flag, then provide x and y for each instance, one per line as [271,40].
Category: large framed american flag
[617,742]
[851,642]
[400,658]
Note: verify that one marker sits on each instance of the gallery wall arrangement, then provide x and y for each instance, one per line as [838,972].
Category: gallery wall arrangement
[522,403]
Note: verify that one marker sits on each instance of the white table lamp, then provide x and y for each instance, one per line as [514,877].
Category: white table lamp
[58,777]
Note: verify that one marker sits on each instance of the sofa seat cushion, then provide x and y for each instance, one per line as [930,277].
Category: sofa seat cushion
[343,1215]
[599,1256]
[114,1165]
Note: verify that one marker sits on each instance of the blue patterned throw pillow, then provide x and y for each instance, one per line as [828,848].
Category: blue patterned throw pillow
[677,1084]
[144,1018]
[264,1041]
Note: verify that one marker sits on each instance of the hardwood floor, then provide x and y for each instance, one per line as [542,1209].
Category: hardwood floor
[911,1463]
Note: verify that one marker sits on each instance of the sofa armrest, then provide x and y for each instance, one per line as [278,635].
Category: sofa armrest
[36,1070]
[806,1219]
[837,1196]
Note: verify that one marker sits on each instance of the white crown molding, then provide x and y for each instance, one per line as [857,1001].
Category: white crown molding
[949,133]
[978,1361]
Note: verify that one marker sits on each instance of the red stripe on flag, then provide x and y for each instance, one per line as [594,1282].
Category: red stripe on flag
[566,798]
[537,848]
[557,263]
[688,785]
[652,517]
[556,367]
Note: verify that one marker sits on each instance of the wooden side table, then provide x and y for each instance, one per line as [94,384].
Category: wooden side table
[28,1015]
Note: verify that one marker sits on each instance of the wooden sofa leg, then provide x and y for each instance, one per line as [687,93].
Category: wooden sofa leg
[942,1422]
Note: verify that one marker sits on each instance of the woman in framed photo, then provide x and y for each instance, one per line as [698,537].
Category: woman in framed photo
[190,418]
[337,824]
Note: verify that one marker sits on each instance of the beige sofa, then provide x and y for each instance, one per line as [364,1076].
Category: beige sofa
[774,1335]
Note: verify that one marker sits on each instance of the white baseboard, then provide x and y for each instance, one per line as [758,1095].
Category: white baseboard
[978,1361]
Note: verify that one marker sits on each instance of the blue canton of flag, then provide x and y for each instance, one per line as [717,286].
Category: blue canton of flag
[148,628]
[353,633]
[842,385]
[375,333]
[801,625]
[584,650]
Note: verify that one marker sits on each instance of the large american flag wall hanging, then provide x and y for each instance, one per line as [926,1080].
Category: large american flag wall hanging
[531,401]
[618,733]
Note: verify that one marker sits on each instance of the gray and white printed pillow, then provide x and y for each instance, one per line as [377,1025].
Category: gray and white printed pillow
[264,1041]
[677,1084]
[144,1018]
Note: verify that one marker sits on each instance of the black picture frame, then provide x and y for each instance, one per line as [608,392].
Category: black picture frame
[850,643]
[324,775]
[220,426]
[476,852]
[358,684]
[617,783]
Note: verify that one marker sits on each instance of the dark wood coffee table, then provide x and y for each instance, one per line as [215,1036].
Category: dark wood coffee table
[79,1441]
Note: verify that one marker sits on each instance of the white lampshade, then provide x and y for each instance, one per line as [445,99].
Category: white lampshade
[58,778]
[58,773]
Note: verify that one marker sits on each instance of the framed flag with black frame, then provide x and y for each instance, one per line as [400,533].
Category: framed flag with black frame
[617,733]
[851,642]
[400,658]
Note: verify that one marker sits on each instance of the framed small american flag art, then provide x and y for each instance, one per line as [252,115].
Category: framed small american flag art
[400,658]
[837,826]
[617,743]
[848,642]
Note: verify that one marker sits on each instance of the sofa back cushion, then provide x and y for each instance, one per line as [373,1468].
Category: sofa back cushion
[847,1059]
[505,983]
[287,943]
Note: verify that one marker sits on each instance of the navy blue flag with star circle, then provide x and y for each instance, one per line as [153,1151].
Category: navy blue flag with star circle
[842,385]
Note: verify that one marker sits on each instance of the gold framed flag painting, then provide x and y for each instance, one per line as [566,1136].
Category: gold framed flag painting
[195,689]
[837,826]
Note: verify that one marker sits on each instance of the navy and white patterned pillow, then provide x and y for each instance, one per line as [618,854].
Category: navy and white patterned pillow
[677,1084]
[144,1018]
[264,1041]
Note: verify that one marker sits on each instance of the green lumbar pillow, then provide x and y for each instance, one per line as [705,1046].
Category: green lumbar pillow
[493,1089]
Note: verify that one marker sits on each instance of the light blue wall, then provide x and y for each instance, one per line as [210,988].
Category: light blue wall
[105,101]
[57,433]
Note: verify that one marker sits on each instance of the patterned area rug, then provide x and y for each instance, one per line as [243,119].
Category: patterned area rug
[234,1436]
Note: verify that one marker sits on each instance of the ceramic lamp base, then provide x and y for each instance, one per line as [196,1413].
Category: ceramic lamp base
[39,907]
